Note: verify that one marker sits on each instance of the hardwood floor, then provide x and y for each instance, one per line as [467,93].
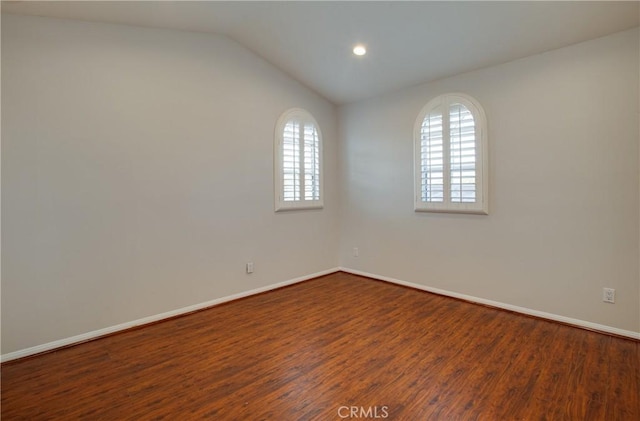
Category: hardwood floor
[314,350]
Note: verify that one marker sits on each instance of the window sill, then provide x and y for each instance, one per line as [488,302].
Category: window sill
[449,210]
[298,206]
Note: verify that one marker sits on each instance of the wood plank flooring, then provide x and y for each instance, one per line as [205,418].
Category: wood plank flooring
[314,350]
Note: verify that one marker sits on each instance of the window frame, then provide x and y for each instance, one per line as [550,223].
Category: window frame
[280,204]
[481,206]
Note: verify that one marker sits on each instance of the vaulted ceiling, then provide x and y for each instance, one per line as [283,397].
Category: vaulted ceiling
[408,42]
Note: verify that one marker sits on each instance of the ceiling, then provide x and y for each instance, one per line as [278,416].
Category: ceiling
[408,42]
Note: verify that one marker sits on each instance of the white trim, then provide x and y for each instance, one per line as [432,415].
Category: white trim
[482,167]
[150,319]
[523,310]
[301,204]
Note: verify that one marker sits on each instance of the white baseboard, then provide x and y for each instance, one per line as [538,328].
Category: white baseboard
[146,320]
[517,309]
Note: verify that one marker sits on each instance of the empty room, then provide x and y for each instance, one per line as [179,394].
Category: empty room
[320,210]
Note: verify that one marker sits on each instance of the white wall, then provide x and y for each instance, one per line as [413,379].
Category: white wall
[137,179]
[564,181]
[137,176]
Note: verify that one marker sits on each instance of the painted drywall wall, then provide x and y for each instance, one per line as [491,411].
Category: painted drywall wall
[137,179]
[564,213]
[137,176]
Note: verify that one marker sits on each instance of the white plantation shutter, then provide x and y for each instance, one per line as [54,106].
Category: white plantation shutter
[451,163]
[311,162]
[462,154]
[291,161]
[432,158]
[298,161]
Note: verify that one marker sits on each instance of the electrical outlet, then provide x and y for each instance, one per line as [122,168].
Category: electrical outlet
[250,267]
[356,252]
[609,295]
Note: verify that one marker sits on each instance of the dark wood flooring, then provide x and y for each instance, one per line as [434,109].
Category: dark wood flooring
[313,350]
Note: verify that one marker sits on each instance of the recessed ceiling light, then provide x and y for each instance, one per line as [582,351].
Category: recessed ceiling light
[359,50]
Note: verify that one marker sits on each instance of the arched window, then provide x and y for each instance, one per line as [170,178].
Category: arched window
[451,157]
[298,161]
